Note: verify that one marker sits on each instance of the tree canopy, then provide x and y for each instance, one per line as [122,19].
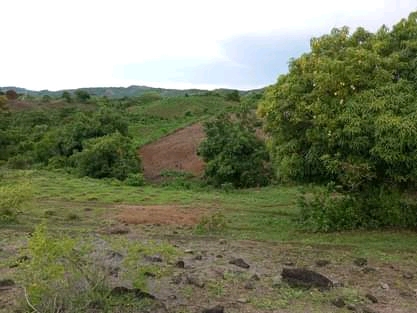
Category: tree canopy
[346,112]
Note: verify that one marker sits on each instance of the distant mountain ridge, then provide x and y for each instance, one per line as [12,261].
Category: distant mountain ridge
[119,92]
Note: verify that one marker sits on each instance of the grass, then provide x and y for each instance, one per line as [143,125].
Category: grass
[151,121]
[80,207]
[266,214]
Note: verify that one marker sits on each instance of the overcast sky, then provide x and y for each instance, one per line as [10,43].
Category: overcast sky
[62,44]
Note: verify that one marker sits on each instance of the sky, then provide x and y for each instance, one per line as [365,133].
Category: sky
[65,44]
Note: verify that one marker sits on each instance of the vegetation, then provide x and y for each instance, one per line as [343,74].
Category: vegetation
[345,114]
[234,154]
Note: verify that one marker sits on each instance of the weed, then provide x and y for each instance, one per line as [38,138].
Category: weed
[212,224]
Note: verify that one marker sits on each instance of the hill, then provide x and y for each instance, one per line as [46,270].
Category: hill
[122,92]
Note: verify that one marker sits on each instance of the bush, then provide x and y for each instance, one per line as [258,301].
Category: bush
[135,179]
[327,211]
[108,156]
[346,114]
[12,199]
[234,154]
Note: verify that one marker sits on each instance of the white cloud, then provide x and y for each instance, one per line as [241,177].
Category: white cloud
[61,44]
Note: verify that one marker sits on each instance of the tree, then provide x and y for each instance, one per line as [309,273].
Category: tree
[3,103]
[346,114]
[234,154]
[11,94]
[82,95]
[67,96]
[108,156]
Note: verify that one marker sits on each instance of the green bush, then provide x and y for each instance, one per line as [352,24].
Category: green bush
[234,154]
[108,156]
[346,114]
[12,199]
[135,179]
[326,211]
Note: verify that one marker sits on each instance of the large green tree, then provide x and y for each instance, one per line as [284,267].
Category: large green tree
[233,153]
[346,113]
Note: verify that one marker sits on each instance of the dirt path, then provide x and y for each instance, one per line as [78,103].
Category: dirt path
[175,152]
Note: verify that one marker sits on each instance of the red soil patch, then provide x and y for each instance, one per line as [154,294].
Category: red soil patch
[159,214]
[175,152]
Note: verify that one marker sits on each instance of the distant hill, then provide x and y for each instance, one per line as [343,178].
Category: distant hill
[120,92]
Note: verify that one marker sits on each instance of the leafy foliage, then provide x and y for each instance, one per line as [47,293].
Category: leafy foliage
[108,156]
[234,154]
[12,198]
[346,113]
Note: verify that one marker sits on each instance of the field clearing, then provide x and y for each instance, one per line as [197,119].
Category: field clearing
[256,225]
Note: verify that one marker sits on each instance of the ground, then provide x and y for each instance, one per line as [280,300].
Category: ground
[206,277]
[175,152]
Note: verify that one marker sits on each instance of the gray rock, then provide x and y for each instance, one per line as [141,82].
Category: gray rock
[196,281]
[408,275]
[239,262]
[338,302]
[153,258]
[322,263]
[299,277]
[215,309]
[360,262]
[371,298]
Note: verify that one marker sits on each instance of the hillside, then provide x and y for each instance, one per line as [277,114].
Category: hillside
[122,92]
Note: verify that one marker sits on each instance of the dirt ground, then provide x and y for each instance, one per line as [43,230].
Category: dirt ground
[175,152]
[202,276]
[159,215]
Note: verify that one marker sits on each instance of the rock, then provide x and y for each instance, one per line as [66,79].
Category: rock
[338,302]
[298,277]
[121,290]
[254,277]
[322,263]
[222,241]
[153,258]
[351,307]
[176,279]
[360,262]
[242,300]
[198,257]
[219,256]
[172,297]
[371,298]
[180,264]
[384,286]
[216,309]
[289,263]
[368,270]
[239,262]
[408,275]
[149,274]
[190,251]
[6,284]
[367,309]
[249,285]
[193,280]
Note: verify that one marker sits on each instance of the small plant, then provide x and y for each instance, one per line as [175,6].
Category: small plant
[12,199]
[135,180]
[212,224]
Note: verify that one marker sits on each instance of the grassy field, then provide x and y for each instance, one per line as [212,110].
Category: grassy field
[84,208]
[153,120]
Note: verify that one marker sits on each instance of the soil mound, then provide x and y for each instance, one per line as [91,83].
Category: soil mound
[175,152]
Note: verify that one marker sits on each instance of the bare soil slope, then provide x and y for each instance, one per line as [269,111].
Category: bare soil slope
[175,152]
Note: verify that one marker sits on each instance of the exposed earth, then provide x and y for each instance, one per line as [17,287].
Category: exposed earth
[211,274]
[175,152]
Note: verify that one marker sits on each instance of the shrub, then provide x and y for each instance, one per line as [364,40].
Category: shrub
[135,179]
[12,199]
[108,156]
[234,154]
